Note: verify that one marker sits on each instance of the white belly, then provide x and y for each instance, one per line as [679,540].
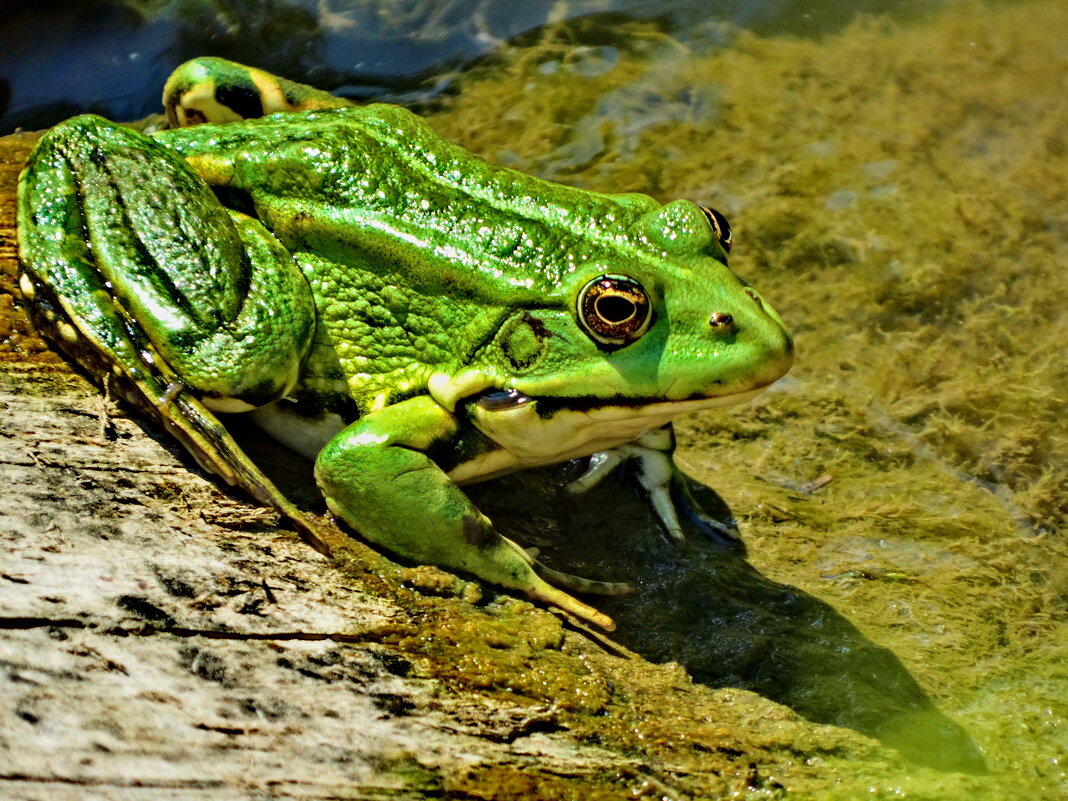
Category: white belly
[525,439]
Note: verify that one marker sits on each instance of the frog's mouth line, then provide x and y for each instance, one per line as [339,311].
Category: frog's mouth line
[548,407]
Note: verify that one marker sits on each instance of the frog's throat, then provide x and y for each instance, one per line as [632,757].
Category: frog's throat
[528,435]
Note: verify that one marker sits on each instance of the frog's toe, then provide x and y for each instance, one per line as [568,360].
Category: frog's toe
[656,475]
[553,596]
[714,529]
[724,533]
[566,580]
[600,465]
[666,487]
[580,584]
[663,484]
[544,584]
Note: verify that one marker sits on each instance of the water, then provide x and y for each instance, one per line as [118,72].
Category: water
[111,57]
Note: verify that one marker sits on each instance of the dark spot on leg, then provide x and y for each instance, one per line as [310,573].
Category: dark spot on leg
[243,100]
[476,532]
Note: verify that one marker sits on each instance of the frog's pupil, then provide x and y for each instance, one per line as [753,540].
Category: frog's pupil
[615,309]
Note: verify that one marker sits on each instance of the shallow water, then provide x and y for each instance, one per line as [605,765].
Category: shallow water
[112,57]
[898,189]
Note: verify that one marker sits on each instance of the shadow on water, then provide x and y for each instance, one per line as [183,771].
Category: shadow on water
[706,607]
[712,612]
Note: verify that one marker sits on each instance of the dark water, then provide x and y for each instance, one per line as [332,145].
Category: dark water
[60,58]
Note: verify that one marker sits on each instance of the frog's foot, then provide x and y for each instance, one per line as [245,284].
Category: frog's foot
[216,90]
[709,526]
[548,594]
[569,581]
[547,586]
[666,486]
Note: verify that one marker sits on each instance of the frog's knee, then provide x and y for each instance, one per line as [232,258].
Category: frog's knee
[220,91]
[83,133]
[82,126]
[52,184]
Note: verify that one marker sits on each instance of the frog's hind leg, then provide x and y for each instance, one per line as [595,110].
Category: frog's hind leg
[135,268]
[152,268]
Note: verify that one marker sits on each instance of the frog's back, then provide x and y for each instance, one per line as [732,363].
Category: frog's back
[329,181]
[416,251]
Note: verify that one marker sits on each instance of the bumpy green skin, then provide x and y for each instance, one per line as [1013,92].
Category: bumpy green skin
[348,269]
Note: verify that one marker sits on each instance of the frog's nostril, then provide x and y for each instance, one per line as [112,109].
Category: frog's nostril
[756,298]
[719,319]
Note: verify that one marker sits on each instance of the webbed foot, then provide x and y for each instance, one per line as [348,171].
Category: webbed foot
[667,487]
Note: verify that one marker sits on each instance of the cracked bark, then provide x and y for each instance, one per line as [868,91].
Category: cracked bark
[146,648]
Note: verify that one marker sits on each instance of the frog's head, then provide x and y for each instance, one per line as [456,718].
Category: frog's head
[645,334]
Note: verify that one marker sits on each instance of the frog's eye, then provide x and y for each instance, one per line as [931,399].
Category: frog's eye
[614,310]
[721,227]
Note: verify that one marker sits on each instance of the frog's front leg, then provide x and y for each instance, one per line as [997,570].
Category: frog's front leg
[668,489]
[376,475]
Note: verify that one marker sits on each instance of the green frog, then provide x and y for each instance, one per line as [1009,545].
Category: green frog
[407,315]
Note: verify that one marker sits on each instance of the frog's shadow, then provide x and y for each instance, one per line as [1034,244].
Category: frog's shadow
[706,607]
[711,611]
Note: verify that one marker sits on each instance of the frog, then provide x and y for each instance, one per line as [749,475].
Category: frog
[409,316]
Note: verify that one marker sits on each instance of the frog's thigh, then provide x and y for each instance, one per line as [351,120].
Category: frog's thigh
[377,477]
[106,212]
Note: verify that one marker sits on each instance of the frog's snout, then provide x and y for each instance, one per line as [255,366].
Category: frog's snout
[752,324]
